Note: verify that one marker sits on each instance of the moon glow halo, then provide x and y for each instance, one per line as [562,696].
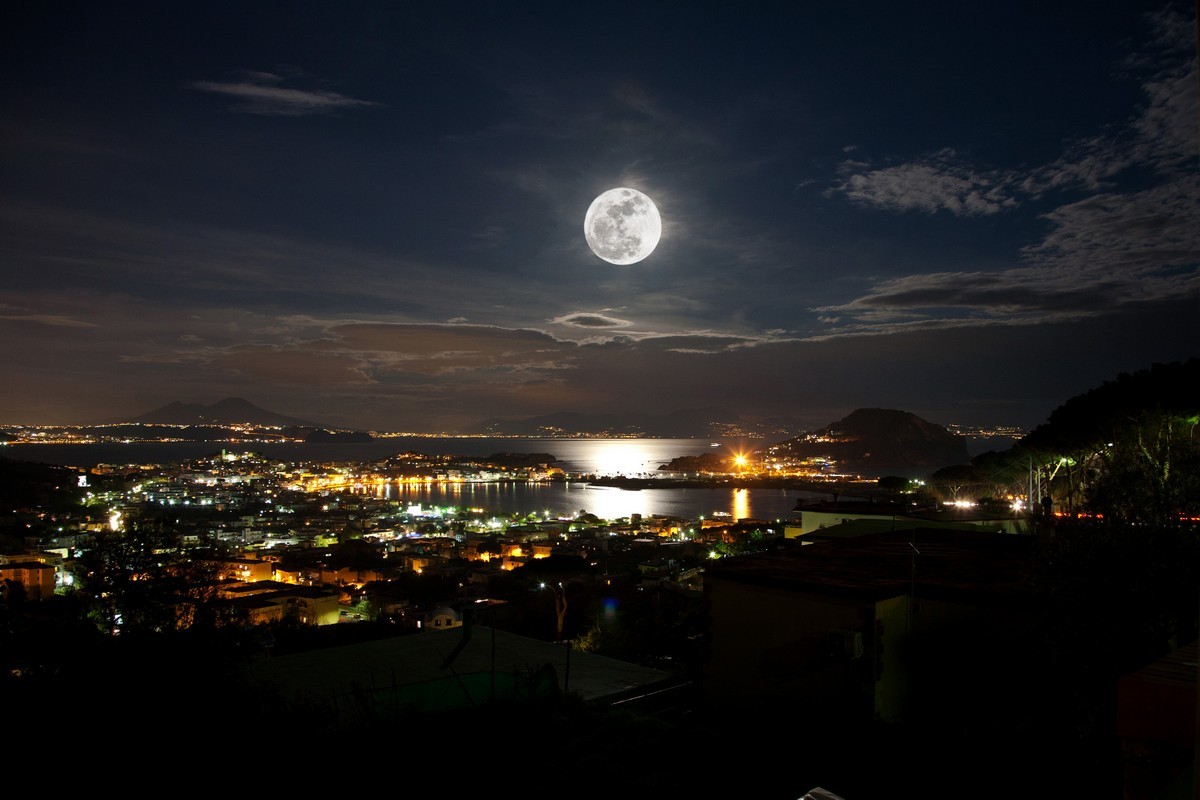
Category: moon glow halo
[622,226]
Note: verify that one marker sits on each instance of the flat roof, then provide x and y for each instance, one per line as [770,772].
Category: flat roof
[459,660]
[874,564]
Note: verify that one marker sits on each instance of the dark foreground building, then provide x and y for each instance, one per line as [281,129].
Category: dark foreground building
[902,661]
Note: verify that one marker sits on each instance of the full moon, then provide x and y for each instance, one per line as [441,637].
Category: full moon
[622,226]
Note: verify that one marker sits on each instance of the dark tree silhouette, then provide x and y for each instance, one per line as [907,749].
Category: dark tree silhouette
[143,580]
[1150,473]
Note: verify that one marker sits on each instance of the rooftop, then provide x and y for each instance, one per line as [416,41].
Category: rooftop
[865,561]
[456,668]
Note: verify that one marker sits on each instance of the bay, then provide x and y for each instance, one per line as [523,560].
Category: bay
[570,498]
[580,458]
[599,457]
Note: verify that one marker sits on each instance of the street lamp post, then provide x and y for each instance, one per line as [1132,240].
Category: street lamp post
[560,607]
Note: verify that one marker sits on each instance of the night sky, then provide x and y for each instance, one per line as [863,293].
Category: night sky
[370,214]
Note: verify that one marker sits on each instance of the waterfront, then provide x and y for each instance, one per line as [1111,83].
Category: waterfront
[572,497]
[600,457]
[577,457]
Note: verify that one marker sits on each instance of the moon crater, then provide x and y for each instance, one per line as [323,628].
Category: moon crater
[622,226]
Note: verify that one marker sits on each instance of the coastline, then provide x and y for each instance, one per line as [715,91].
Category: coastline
[734,482]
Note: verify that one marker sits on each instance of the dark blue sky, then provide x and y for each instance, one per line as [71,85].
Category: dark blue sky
[371,214]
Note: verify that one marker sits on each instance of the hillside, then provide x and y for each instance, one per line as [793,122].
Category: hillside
[1096,415]
[230,411]
[879,441]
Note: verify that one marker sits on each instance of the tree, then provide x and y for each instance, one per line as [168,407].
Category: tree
[1075,446]
[369,608]
[1005,473]
[893,484]
[956,482]
[1150,473]
[492,546]
[143,580]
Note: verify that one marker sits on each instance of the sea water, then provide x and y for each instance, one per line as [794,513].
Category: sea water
[580,458]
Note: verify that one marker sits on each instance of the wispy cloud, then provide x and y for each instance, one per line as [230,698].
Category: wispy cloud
[1141,238]
[1161,137]
[583,319]
[1101,254]
[943,182]
[265,93]
[48,319]
[1104,254]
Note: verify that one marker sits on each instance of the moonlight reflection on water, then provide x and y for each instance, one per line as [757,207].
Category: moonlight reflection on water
[568,499]
[598,457]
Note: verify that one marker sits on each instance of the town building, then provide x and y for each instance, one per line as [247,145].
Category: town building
[811,517]
[865,625]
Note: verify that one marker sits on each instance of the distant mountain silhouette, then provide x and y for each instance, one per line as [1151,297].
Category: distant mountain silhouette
[880,441]
[230,411]
[712,422]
